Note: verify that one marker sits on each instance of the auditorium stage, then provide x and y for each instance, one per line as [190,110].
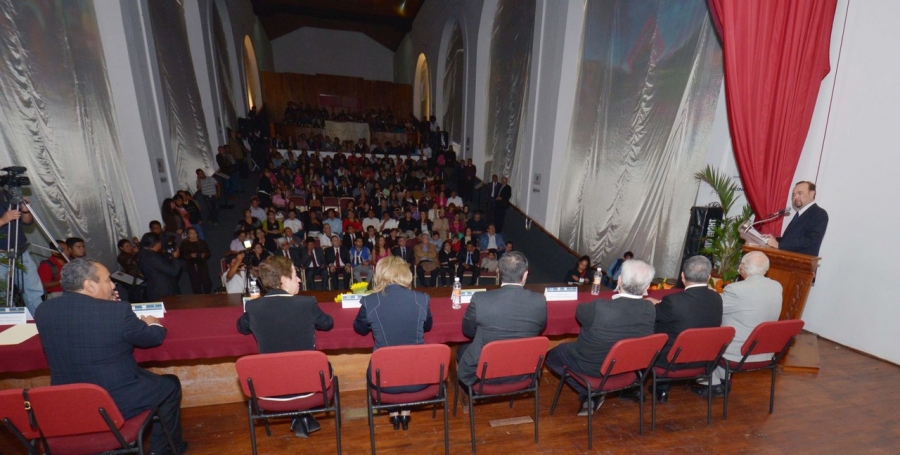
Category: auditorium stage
[203,343]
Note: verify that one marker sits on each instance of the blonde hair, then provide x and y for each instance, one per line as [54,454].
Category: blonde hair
[392,270]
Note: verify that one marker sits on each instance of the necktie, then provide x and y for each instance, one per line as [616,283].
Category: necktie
[315,263]
[403,252]
[796,215]
[337,257]
[286,254]
[468,258]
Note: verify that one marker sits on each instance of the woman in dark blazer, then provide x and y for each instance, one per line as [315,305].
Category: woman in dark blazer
[282,321]
[396,316]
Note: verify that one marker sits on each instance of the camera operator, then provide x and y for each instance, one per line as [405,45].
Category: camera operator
[28,279]
[161,271]
[235,277]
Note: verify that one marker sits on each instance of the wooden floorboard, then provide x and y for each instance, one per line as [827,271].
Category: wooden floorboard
[849,407]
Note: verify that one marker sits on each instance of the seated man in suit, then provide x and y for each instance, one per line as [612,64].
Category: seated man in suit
[338,260]
[806,230]
[697,307]
[426,261]
[603,323]
[312,258]
[502,314]
[746,304]
[404,251]
[285,249]
[491,240]
[89,335]
[612,273]
[468,261]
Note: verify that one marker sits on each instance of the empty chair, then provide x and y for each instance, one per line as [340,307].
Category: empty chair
[288,384]
[626,366]
[774,337]
[506,368]
[82,418]
[402,366]
[694,355]
[15,418]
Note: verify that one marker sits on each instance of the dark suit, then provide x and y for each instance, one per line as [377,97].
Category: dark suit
[696,307]
[462,267]
[160,272]
[407,254]
[281,322]
[397,316]
[312,271]
[293,255]
[347,241]
[502,314]
[501,206]
[804,234]
[603,323]
[331,259]
[91,340]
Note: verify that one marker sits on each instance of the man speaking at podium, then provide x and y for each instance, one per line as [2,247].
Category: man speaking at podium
[807,227]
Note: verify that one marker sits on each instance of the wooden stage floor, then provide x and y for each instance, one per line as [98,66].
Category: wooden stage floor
[849,407]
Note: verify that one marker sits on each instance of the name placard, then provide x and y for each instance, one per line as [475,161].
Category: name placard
[12,316]
[466,295]
[155,309]
[561,294]
[351,300]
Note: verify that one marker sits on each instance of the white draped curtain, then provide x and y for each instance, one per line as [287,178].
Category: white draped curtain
[454,67]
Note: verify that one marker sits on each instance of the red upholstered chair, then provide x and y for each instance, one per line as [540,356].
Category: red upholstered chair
[14,414]
[626,366]
[507,359]
[398,366]
[288,384]
[332,203]
[82,418]
[299,202]
[344,200]
[773,338]
[694,355]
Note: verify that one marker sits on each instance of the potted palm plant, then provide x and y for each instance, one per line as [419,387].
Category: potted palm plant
[725,243]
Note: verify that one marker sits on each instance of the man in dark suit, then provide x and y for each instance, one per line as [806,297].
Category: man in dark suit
[349,238]
[88,336]
[697,307]
[502,314]
[468,261]
[338,260]
[312,258]
[160,271]
[806,230]
[502,203]
[284,249]
[404,251]
[603,323]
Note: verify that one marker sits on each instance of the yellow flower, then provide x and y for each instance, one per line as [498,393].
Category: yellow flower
[339,298]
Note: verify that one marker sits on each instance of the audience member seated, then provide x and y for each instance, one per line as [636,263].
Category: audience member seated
[611,277]
[491,240]
[467,261]
[447,259]
[507,313]
[603,323]
[312,260]
[404,252]
[235,278]
[283,321]
[49,270]
[582,272]
[477,224]
[426,261]
[338,260]
[745,305]
[76,248]
[127,258]
[90,310]
[361,259]
[396,316]
[490,263]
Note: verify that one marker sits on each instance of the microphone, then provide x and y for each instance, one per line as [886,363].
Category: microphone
[783,212]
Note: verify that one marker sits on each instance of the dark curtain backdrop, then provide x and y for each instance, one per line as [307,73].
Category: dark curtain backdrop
[648,86]
[776,55]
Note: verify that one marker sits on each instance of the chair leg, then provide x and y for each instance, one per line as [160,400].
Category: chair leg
[446,423]
[371,419]
[725,400]
[252,429]
[162,424]
[590,416]
[709,401]
[771,391]
[536,401]
[562,381]
[337,415]
[471,417]
[653,405]
[641,405]
[455,397]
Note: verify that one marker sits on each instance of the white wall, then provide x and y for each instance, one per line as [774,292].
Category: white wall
[310,50]
[850,152]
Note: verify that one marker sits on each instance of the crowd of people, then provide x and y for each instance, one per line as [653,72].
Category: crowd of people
[380,120]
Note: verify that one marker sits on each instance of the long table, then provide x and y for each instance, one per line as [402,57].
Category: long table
[202,332]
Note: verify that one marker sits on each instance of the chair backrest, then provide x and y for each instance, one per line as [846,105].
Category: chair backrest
[700,345]
[298,201]
[345,200]
[771,337]
[633,354]
[12,407]
[73,409]
[410,365]
[331,201]
[283,373]
[512,357]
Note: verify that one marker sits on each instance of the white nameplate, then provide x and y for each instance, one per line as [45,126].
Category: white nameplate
[155,309]
[466,295]
[351,300]
[12,316]
[561,294]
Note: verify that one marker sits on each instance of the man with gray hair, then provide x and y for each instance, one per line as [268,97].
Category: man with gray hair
[507,313]
[697,306]
[746,304]
[603,323]
[89,336]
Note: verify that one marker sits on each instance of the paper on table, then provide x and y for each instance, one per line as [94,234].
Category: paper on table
[17,334]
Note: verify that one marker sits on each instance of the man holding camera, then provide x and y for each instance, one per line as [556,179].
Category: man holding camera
[160,270]
[28,279]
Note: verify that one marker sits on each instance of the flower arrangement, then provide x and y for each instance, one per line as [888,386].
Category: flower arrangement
[356,288]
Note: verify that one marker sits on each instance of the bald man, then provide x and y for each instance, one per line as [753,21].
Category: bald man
[746,304]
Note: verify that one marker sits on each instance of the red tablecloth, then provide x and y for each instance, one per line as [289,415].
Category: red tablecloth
[209,333]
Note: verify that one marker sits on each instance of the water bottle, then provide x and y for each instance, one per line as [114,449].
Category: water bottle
[456,296]
[254,289]
[595,287]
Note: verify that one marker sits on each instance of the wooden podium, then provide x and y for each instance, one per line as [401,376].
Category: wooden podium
[795,272]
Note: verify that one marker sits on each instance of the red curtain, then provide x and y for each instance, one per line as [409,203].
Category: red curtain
[775,54]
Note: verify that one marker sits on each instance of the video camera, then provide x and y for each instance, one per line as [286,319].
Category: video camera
[13,182]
